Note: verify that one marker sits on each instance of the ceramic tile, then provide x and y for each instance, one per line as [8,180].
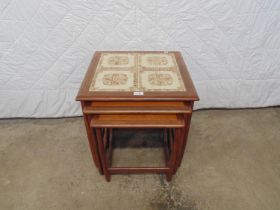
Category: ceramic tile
[137,72]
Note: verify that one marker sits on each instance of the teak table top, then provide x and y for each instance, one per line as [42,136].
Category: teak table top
[137,76]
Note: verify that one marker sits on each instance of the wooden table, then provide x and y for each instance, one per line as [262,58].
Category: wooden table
[142,84]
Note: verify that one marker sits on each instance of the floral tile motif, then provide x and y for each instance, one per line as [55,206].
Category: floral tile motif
[111,80]
[114,60]
[159,81]
[137,72]
[162,60]
[114,79]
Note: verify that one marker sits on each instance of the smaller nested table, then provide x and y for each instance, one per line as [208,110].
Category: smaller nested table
[104,139]
[137,90]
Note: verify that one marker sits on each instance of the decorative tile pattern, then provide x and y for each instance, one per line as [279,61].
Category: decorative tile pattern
[137,72]
[114,79]
[160,79]
[157,60]
[117,60]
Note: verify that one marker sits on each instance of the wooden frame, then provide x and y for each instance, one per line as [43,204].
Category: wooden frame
[188,95]
[150,103]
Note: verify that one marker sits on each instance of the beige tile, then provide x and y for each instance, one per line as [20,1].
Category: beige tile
[137,72]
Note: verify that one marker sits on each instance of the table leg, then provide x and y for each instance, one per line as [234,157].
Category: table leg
[175,149]
[92,142]
[102,154]
[184,138]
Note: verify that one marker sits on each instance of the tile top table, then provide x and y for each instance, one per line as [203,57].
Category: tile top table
[136,82]
[144,76]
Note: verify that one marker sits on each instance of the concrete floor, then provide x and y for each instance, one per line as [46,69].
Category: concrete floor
[232,162]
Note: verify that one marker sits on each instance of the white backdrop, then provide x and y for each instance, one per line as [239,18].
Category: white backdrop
[232,48]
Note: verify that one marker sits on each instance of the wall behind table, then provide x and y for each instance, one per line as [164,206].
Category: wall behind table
[232,48]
